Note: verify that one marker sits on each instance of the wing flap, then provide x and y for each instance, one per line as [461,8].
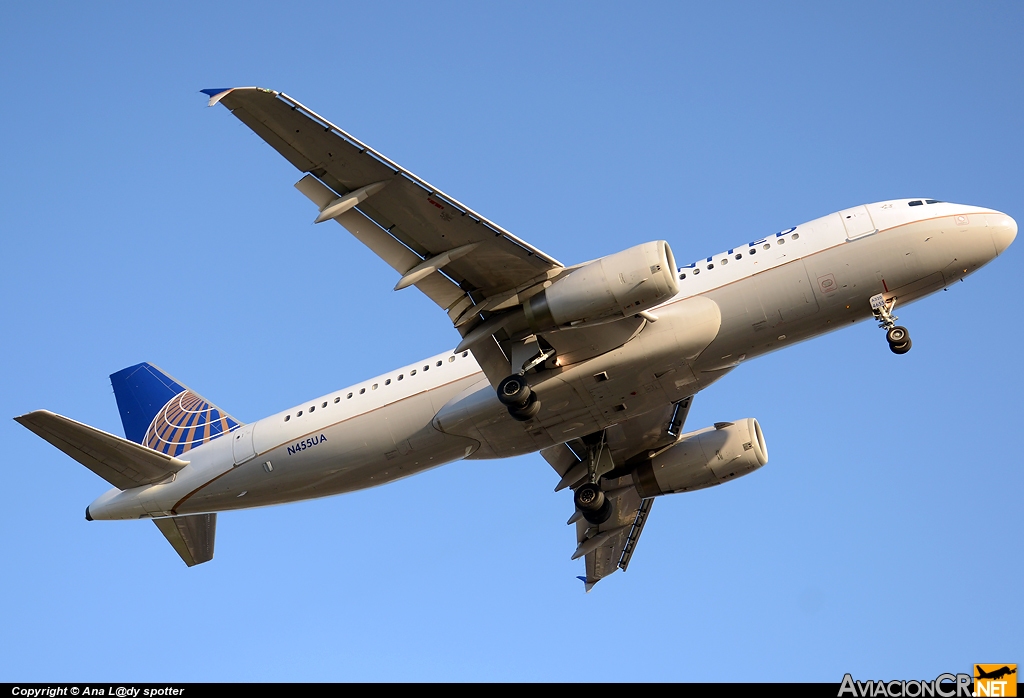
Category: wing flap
[122,463]
[605,560]
[192,537]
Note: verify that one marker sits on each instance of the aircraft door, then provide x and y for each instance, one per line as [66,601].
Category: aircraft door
[858,222]
[241,443]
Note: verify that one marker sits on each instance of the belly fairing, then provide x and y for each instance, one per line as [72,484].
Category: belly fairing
[647,372]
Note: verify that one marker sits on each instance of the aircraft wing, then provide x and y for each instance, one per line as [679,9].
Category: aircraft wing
[609,546]
[465,263]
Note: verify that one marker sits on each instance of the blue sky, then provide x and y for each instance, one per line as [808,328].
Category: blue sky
[881,539]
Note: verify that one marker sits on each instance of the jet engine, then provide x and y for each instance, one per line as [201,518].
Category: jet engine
[610,288]
[703,458]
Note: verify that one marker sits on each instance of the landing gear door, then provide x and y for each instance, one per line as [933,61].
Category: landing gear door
[858,222]
[241,444]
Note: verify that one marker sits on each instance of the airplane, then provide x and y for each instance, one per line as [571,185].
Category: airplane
[996,673]
[594,365]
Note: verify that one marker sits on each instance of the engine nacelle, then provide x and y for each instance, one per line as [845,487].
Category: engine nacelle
[703,459]
[613,287]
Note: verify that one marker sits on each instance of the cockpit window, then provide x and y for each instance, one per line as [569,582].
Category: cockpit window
[915,203]
[932,201]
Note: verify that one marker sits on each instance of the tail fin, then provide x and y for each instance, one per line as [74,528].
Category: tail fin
[159,412]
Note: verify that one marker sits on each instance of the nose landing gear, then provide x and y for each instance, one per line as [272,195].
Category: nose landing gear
[897,337]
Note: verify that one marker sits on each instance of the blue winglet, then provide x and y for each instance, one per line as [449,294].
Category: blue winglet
[216,94]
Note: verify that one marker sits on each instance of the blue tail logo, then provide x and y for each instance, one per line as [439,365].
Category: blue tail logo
[159,412]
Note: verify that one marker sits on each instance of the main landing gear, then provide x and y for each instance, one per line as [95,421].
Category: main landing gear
[515,393]
[897,337]
[589,498]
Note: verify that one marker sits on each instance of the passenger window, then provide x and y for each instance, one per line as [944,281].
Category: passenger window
[696,271]
[287,417]
[324,405]
[387,382]
[766,246]
[465,354]
[412,372]
[299,414]
[796,236]
[752,250]
[782,241]
[373,387]
[438,363]
[426,367]
[711,266]
[451,359]
[349,396]
[682,276]
[313,407]
[723,261]
[739,255]
[400,376]
[362,390]
[338,399]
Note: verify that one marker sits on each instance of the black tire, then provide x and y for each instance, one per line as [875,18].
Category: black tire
[527,411]
[514,391]
[588,497]
[601,515]
[901,348]
[897,336]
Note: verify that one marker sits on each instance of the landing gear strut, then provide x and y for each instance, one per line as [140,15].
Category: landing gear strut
[897,337]
[589,498]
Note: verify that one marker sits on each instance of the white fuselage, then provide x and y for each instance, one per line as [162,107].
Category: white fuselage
[732,306]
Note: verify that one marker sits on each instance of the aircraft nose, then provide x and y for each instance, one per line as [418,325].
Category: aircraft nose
[1003,232]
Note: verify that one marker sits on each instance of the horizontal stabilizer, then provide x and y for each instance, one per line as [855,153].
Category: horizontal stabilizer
[122,463]
[190,536]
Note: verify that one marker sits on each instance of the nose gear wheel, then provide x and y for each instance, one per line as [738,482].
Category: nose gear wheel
[898,337]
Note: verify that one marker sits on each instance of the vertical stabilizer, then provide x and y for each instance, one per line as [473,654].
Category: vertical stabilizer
[159,412]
